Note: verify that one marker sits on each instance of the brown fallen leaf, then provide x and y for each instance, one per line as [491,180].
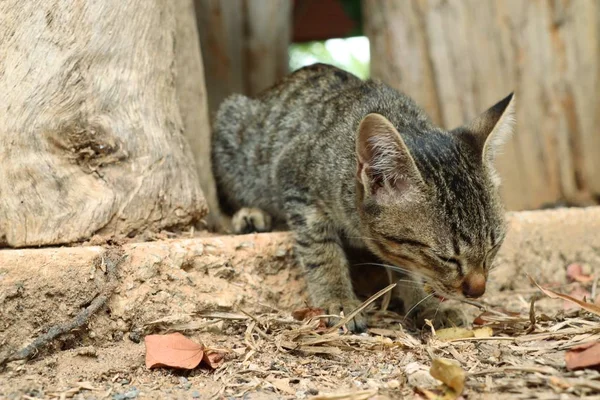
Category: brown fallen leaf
[586,355]
[451,374]
[461,333]
[213,359]
[172,350]
[577,273]
[306,313]
[555,295]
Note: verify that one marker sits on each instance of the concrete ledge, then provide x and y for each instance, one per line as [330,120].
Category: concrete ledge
[42,287]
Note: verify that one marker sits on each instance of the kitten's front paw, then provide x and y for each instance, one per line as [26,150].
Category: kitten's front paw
[248,220]
[442,317]
[358,324]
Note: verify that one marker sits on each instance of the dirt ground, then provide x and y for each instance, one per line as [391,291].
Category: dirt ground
[517,362]
[235,296]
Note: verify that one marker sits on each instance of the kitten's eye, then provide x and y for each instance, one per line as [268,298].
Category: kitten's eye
[489,257]
[451,260]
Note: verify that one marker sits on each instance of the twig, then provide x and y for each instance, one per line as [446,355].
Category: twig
[482,307]
[260,332]
[387,298]
[541,370]
[111,261]
[532,319]
[361,307]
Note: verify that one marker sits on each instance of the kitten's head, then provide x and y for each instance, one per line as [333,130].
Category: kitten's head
[429,201]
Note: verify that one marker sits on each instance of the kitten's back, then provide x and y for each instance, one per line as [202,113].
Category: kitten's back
[248,134]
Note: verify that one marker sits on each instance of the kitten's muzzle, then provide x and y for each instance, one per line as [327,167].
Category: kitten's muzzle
[473,285]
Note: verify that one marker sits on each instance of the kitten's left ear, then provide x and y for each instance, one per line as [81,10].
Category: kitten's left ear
[492,129]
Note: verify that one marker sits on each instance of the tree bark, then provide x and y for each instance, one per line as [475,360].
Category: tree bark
[193,101]
[244,45]
[456,58]
[90,129]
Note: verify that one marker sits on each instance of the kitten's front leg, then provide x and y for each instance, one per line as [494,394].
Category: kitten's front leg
[319,250]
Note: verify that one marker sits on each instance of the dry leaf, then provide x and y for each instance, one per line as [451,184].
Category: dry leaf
[584,356]
[453,333]
[576,273]
[172,350]
[282,385]
[484,332]
[429,395]
[213,359]
[555,295]
[450,373]
[304,314]
[462,333]
[560,383]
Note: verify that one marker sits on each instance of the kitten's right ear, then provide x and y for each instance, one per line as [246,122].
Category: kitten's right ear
[384,161]
[491,130]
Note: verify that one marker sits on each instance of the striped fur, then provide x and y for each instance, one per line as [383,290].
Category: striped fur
[414,195]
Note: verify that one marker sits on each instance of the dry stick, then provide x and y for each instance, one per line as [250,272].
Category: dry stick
[77,322]
[385,302]
[260,332]
[361,307]
[482,307]
[541,370]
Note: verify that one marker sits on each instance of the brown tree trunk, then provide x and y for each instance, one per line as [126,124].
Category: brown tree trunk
[244,45]
[90,129]
[456,58]
[193,101]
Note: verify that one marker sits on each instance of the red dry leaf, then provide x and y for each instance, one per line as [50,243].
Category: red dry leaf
[555,295]
[584,356]
[213,359]
[172,350]
[307,313]
[575,273]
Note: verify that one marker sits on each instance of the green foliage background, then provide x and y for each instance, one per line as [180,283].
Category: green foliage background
[302,54]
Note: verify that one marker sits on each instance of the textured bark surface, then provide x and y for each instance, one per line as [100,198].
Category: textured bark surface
[193,101]
[456,58]
[244,45]
[90,129]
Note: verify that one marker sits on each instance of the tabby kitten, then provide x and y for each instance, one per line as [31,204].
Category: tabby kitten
[345,162]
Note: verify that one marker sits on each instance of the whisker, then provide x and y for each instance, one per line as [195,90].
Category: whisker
[436,310]
[408,282]
[398,269]
[416,305]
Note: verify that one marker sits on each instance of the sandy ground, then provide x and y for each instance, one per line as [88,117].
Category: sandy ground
[204,286]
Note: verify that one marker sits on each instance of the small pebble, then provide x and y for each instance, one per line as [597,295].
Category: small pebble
[393,384]
[196,394]
[135,336]
[131,394]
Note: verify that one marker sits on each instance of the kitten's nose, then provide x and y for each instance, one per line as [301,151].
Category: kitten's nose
[474,285]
